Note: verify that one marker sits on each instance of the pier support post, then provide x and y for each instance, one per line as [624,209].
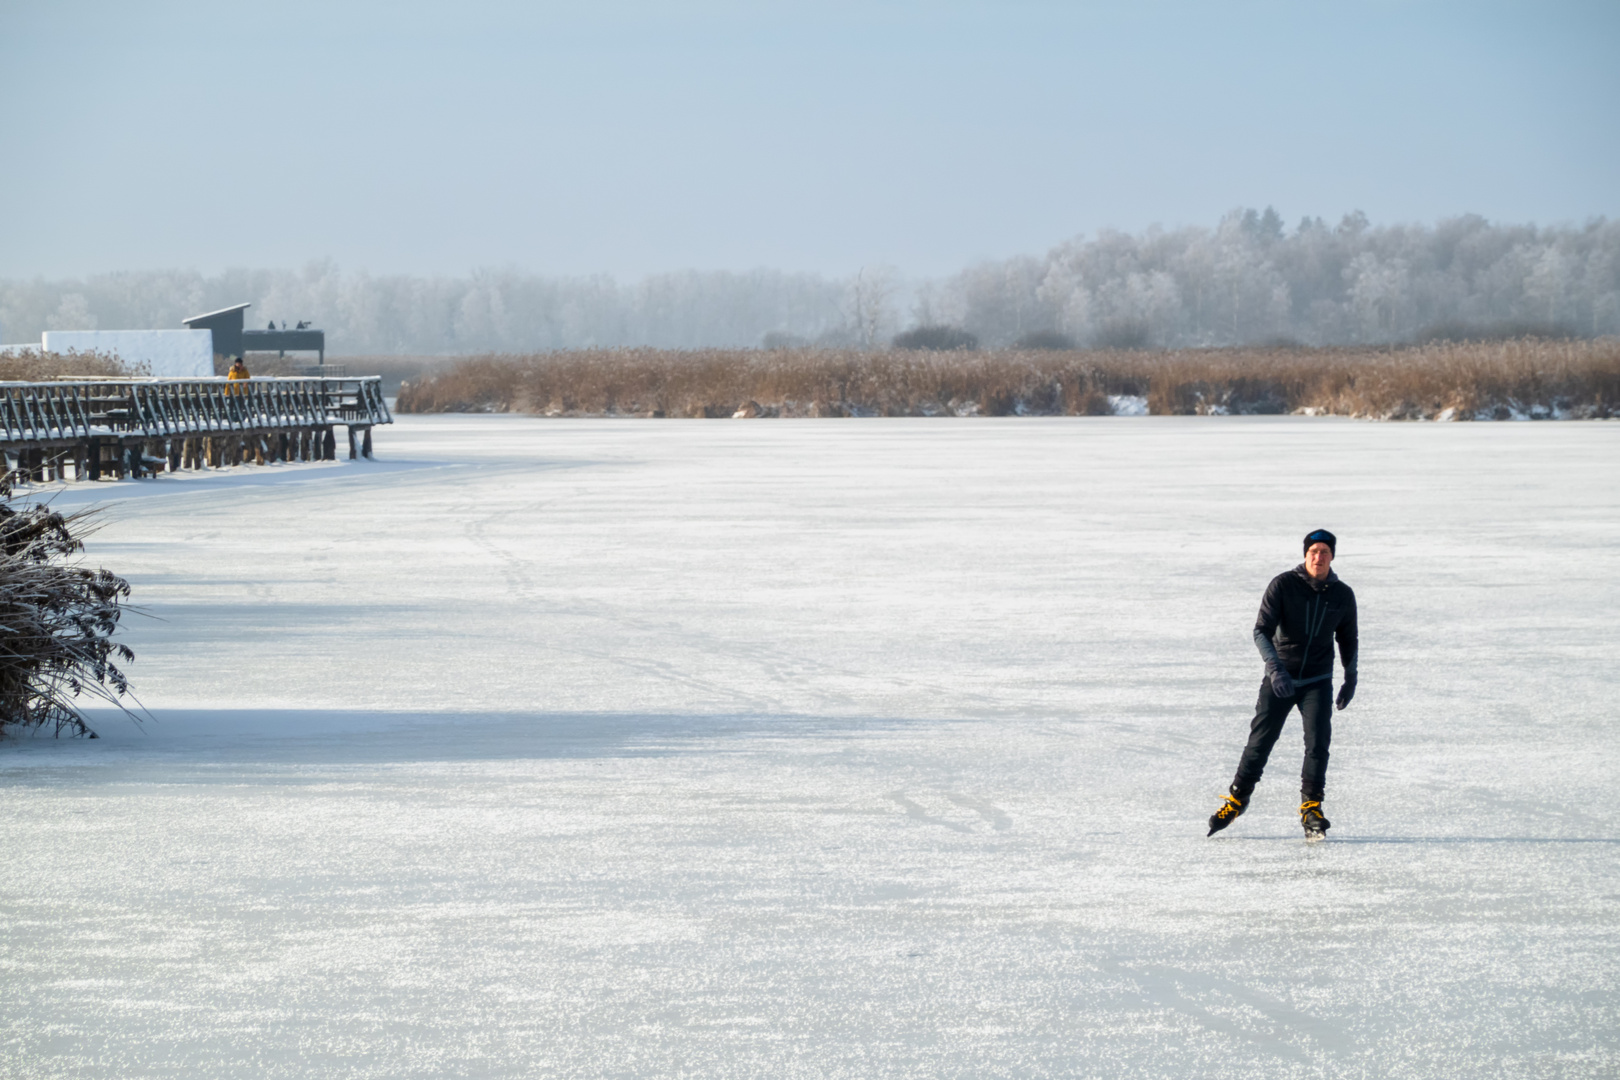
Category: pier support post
[365,442]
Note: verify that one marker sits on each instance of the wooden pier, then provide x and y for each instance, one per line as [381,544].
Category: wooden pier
[93,428]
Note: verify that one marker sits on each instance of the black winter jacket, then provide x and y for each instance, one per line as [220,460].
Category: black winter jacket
[1300,619]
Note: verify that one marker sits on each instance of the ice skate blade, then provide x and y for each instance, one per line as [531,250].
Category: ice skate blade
[1315,837]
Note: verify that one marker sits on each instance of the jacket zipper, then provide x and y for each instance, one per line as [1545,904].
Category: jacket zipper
[1315,616]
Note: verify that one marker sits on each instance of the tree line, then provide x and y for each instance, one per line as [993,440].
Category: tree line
[1248,280]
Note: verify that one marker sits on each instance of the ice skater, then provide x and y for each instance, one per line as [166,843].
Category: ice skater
[1302,613]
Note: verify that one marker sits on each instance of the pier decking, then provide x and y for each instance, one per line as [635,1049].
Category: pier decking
[139,427]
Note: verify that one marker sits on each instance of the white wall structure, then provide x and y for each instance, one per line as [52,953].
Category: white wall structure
[169,354]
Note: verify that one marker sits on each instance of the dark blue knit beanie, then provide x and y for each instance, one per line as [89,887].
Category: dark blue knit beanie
[1322,536]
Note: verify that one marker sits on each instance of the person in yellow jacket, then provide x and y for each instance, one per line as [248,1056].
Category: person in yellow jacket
[234,391]
[238,371]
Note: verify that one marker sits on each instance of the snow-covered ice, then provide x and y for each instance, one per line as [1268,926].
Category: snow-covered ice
[870,748]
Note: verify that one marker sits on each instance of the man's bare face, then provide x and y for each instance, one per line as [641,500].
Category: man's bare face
[1318,559]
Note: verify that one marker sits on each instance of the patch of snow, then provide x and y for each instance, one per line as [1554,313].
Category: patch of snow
[1127,405]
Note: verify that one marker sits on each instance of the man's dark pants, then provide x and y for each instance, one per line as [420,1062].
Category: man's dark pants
[1315,710]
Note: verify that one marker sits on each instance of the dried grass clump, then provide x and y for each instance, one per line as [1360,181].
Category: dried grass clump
[782,382]
[33,366]
[56,623]
[1481,380]
[1469,381]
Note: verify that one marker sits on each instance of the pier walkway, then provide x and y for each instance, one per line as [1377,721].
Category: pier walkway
[91,428]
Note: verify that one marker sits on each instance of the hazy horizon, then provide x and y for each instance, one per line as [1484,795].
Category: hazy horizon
[1248,279]
[628,139]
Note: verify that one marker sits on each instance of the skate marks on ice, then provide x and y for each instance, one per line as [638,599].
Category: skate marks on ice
[1226,1007]
[1338,840]
[998,820]
[993,815]
[997,817]
[513,536]
[916,813]
[1425,840]
[531,583]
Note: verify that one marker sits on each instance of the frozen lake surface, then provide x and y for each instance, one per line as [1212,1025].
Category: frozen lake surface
[855,749]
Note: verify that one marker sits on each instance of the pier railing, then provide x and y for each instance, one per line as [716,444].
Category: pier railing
[72,410]
[139,427]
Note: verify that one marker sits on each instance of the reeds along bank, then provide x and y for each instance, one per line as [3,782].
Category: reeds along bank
[1495,380]
[58,657]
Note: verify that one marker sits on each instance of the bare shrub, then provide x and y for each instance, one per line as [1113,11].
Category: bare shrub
[1123,334]
[1473,381]
[781,339]
[56,623]
[1054,340]
[937,339]
[1458,331]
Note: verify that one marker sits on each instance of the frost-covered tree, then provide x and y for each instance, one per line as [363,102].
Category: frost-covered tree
[1247,279]
[871,304]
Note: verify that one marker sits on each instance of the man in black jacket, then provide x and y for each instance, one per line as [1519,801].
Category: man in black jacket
[1302,614]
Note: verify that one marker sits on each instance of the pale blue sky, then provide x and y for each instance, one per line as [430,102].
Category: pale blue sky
[635,137]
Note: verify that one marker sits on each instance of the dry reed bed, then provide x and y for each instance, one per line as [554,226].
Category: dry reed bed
[43,367]
[58,620]
[1495,380]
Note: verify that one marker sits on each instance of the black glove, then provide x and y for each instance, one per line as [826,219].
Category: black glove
[1347,691]
[1282,683]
